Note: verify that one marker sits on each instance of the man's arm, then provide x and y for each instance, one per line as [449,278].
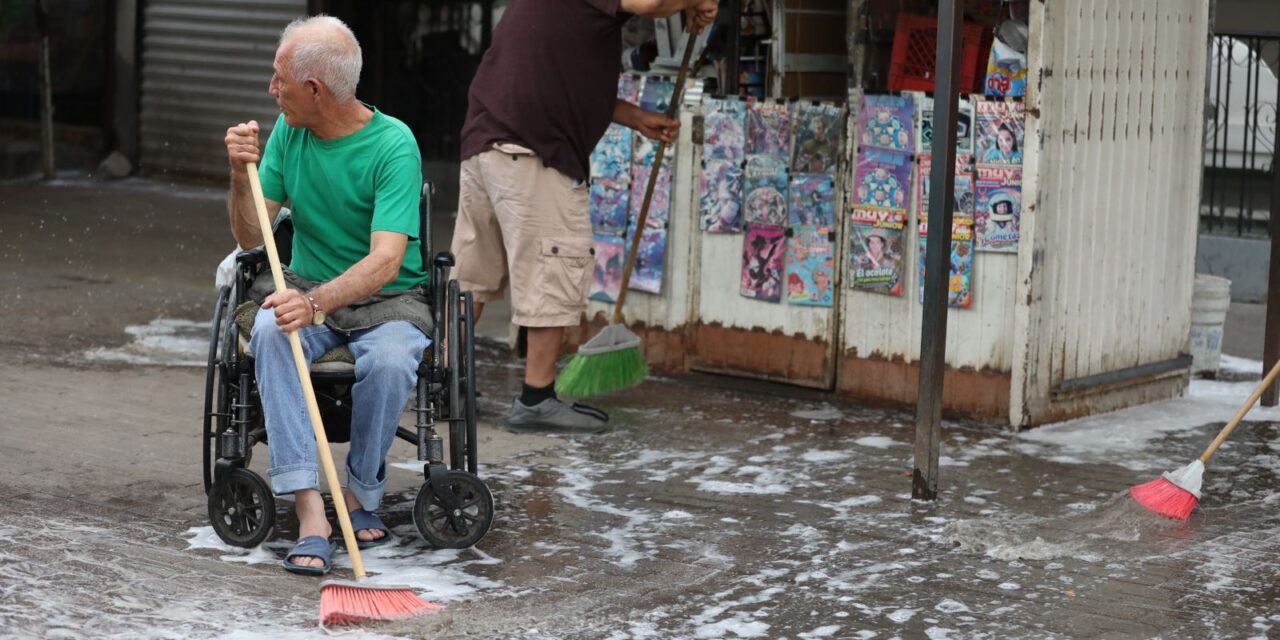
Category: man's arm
[651,124]
[242,148]
[363,279]
[702,14]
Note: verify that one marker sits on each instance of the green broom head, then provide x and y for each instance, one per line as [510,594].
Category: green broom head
[610,361]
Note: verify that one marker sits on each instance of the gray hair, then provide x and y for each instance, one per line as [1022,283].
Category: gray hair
[334,58]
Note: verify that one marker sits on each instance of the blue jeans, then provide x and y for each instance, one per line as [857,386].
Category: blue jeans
[387,358]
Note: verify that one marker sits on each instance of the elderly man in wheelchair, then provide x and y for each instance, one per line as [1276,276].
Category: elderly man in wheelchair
[358,278]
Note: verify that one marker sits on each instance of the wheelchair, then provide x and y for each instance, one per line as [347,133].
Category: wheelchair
[453,508]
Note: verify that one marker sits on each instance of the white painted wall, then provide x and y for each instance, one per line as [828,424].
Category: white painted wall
[1115,135]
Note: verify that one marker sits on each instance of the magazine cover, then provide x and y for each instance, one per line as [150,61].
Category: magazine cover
[763,249]
[629,87]
[883,179]
[813,200]
[650,257]
[963,203]
[645,151]
[608,206]
[660,206]
[724,129]
[998,210]
[886,122]
[611,159]
[610,261]
[764,191]
[810,267]
[876,250]
[769,129]
[720,196]
[656,93]
[999,130]
[960,281]
[817,137]
[964,126]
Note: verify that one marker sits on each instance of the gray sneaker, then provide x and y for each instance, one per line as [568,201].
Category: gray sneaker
[554,416]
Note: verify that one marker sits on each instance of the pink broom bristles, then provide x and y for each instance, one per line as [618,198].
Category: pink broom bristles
[1165,498]
[343,603]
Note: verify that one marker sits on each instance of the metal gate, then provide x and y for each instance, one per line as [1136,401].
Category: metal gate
[206,65]
[1240,134]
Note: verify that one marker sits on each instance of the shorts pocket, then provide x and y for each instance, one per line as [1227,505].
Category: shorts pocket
[566,265]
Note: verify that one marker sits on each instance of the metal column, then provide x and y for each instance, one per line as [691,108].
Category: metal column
[933,335]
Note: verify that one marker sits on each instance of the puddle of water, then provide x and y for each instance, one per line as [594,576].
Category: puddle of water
[163,342]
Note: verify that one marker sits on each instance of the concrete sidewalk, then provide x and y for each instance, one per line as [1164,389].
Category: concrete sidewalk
[708,513]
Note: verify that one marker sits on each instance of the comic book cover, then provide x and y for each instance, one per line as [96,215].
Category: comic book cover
[810,266]
[629,87]
[882,179]
[764,191]
[656,93]
[960,279]
[720,196]
[769,129]
[763,251]
[724,129]
[999,131]
[608,206]
[998,208]
[813,200]
[886,122]
[876,256]
[964,126]
[646,275]
[817,137]
[611,159]
[610,261]
[962,204]
[660,206]
[645,151]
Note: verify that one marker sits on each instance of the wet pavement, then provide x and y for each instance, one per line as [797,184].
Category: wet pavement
[712,511]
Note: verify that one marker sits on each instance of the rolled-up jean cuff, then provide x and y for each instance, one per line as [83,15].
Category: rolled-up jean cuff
[369,495]
[286,480]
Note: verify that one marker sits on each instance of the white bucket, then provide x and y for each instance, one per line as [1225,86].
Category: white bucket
[1209,303]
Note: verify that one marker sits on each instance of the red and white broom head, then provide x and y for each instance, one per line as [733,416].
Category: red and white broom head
[1174,494]
[343,602]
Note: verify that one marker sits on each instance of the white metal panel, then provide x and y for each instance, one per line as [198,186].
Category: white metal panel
[206,65]
[1115,124]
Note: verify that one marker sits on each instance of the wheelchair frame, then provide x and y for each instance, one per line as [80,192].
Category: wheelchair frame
[453,509]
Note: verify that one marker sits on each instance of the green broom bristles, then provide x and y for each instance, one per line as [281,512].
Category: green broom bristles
[610,361]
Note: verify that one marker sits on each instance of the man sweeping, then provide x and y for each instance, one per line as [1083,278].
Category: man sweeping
[540,101]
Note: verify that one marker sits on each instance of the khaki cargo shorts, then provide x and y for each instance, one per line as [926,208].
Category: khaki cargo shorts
[526,224]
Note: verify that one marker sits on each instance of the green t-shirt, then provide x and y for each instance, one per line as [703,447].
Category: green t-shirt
[342,191]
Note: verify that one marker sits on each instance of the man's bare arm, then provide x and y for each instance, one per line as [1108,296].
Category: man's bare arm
[363,279]
[242,148]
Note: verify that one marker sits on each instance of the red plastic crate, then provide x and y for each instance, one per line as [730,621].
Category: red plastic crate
[915,52]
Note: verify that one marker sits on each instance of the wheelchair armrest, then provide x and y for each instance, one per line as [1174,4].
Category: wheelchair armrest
[252,257]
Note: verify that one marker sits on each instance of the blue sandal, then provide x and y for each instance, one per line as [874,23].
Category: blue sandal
[365,519]
[312,546]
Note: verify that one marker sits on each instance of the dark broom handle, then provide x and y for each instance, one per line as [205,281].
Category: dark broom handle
[653,179]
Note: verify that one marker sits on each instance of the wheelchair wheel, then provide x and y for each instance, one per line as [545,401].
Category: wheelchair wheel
[214,387]
[463,528]
[241,508]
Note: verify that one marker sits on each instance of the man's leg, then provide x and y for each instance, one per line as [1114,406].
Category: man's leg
[290,439]
[544,350]
[387,358]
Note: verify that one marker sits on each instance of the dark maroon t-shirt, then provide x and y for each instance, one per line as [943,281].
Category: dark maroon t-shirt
[548,82]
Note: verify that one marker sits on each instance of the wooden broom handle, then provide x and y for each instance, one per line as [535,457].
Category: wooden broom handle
[1244,409]
[672,109]
[300,365]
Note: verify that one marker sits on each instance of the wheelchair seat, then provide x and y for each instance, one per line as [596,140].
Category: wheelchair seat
[336,361]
